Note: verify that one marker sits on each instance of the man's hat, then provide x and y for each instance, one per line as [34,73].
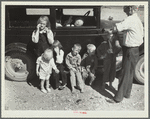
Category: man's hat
[134,7]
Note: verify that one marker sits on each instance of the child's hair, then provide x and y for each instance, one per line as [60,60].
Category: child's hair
[77,45]
[57,44]
[47,51]
[45,18]
[91,47]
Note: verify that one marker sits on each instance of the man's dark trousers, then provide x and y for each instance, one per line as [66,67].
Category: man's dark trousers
[130,58]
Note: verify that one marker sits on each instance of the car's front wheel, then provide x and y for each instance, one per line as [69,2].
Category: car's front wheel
[19,66]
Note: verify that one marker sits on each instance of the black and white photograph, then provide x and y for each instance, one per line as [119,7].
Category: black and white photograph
[74,59]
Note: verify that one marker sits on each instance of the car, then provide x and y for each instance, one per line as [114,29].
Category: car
[69,24]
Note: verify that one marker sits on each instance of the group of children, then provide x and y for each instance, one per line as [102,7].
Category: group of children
[51,58]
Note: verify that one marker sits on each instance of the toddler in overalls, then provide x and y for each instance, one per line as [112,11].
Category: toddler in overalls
[73,60]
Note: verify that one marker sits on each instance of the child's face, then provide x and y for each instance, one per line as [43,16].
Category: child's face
[43,24]
[48,55]
[75,50]
[91,51]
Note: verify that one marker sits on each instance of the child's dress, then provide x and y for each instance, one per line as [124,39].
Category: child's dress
[45,68]
[42,44]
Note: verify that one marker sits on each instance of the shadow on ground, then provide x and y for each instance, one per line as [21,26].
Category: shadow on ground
[97,85]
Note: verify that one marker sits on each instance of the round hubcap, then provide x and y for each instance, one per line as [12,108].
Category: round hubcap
[16,68]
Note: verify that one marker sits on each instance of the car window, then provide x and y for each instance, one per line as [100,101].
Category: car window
[37,11]
[75,18]
[80,12]
[25,17]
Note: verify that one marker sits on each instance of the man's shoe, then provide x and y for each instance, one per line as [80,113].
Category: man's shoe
[112,101]
[127,97]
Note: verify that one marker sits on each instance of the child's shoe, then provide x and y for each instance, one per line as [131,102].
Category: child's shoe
[62,87]
[43,90]
[91,81]
[82,91]
[48,90]
[73,91]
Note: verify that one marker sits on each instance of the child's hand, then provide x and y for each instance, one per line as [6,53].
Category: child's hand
[93,71]
[56,49]
[37,73]
[57,71]
[74,70]
[47,30]
[38,26]
[92,75]
[80,69]
[88,68]
[110,51]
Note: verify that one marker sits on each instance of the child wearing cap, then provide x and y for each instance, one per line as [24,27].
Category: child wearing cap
[44,65]
[107,51]
[73,60]
[89,63]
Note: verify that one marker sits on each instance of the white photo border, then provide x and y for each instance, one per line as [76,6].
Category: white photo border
[70,114]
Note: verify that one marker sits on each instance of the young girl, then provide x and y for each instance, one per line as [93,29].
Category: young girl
[59,57]
[42,36]
[45,64]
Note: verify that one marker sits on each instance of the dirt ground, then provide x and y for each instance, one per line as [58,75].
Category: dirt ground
[22,96]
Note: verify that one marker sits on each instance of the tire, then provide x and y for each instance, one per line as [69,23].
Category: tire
[119,61]
[19,66]
[139,70]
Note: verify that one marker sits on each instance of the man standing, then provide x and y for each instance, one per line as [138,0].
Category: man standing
[132,39]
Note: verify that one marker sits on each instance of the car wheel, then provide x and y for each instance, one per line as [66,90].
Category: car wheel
[139,70]
[118,63]
[19,66]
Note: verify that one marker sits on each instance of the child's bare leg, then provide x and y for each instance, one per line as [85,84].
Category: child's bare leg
[92,78]
[72,80]
[42,86]
[47,86]
[80,81]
